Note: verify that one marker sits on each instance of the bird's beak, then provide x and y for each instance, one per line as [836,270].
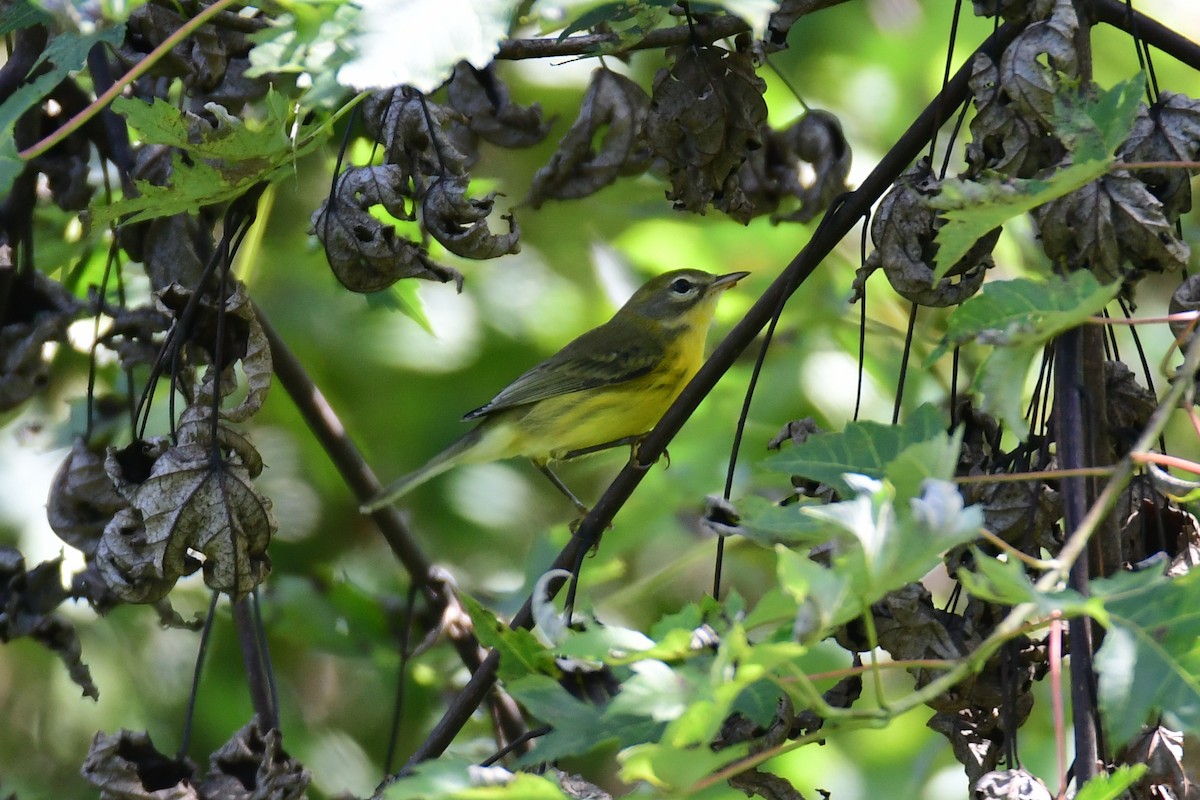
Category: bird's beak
[723,282]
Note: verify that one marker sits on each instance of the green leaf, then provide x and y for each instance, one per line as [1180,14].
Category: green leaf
[769,523]
[521,654]
[1019,317]
[863,448]
[223,163]
[936,458]
[1007,582]
[578,727]
[1112,785]
[455,778]
[1150,659]
[401,296]
[22,14]
[471,33]
[675,768]
[1092,129]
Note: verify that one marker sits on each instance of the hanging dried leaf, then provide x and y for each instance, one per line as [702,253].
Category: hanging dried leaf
[605,141]
[1034,66]
[1024,514]
[38,311]
[127,766]
[459,222]
[400,118]
[774,173]
[28,601]
[1167,131]
[82,499]
[189,502]
[1185,298]
[705,116]
[134,333]
[254,766]
[365,254]
[1128,406]
[1003,139]
[1109,223]
[903,232]
[481,97]
[175,249]
[253,352]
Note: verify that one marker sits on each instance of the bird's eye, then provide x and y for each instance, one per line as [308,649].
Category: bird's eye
[681,286]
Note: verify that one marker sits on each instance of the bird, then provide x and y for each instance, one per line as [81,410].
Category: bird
[608,387]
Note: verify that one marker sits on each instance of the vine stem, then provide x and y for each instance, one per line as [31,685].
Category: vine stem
[135,72]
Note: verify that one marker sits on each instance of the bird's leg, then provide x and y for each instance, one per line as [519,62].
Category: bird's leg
[544,468]
[596,448]
[636,463]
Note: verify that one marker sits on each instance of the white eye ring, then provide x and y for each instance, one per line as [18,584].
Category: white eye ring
[681,286]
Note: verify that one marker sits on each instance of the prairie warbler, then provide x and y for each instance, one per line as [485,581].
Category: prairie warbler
[609,386]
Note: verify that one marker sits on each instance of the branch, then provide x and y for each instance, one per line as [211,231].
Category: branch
[1151,31]
[838,221]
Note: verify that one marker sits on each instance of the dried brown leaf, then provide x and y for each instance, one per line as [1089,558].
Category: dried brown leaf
[1003,139]
[775,173]
[82,499]
[459,222]
[190,502]
[1128,406]
[400,119]
[38,311]
[706,113]
[174,250]
[28,601]
[903,232]
[1107,224]
[365,254]
[254,353]
[254,766]
[1167,131]
[1161,750]
[1186,297]
[1033,67]
[127,766]
[1010,784]
[605,141]
[481,97]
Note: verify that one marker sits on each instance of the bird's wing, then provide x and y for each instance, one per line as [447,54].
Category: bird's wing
[582,364]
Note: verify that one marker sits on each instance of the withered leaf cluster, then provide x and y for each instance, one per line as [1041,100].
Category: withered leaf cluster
[38,311]
[429,149]
[251,766]
[154,511]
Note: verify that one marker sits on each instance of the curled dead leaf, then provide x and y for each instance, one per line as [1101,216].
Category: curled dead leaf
[459,222]
[128,765]
[28,602]
[808,162]
[82,499]
[1035,66]
[38,311]
[420,136]
[903,232]
[252,765]
[365,254]
[605,141]
[706,113]
[481,97]
[1001,138]
[1186,297]
[1167,131]
[1114,227]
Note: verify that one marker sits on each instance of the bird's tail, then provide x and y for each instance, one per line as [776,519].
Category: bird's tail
[437,465]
